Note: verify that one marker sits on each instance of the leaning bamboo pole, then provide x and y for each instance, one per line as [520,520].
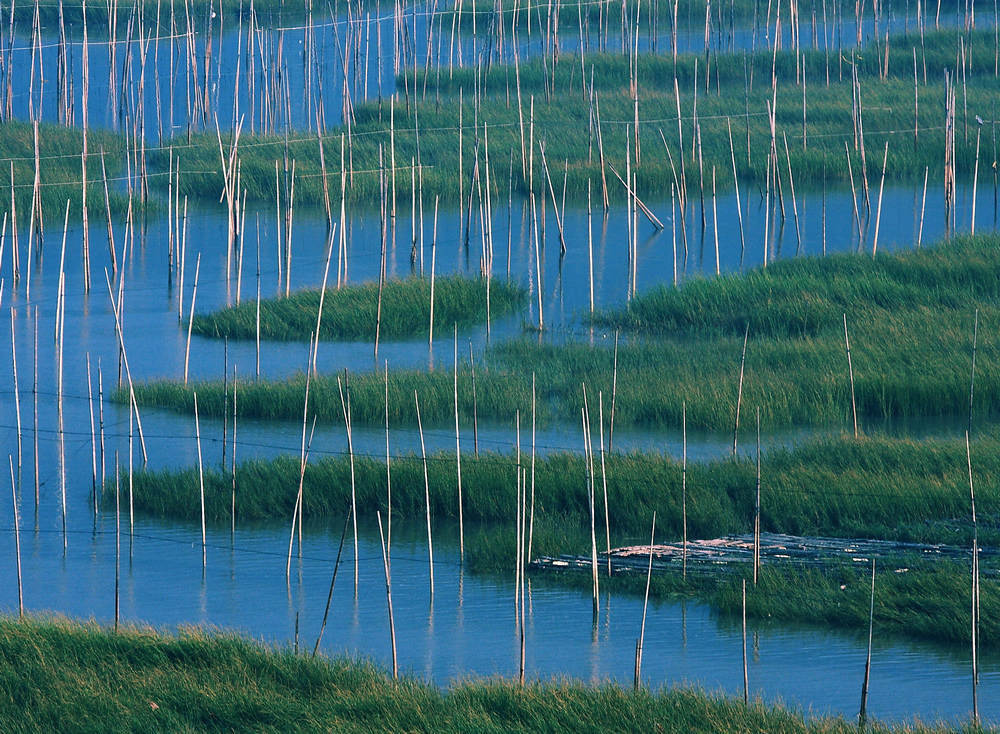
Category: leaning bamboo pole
[201,484]
[388,596]
[345,405]
[850,372]
[17,538]
[427,495]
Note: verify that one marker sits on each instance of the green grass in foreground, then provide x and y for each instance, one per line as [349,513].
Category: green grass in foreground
[349,313]
[910,317]
[71,677]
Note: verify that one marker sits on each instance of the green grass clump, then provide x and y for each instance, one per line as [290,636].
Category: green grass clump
[805,296]
[72,677]
[349,313]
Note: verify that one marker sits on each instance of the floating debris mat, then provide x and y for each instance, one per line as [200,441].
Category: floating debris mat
[775,548]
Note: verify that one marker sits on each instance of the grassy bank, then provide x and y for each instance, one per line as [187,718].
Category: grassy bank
[75,677]
[349,313]
[910,316]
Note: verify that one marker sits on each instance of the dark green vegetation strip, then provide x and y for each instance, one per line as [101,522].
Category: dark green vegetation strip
[874,487]
[562,120]
[69,677]
[910,317]
[350,312]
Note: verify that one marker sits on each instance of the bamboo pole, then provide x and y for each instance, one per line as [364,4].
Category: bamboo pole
[427,495]
[232,509]
[863,713]
[388,471]
[333,580]
[17,395]
[345,406]
[975,592]
[850,372]
[194,295]
[878,211]
[975,183]
[684,465]
[458,453]
[972,379]
[388,596]
[739,390]
[614,395]
[645,604]
[746,677]
[118,547]
[923,203]
[756,512]
[17,538]
[93,435]
[201,484]
[531,521]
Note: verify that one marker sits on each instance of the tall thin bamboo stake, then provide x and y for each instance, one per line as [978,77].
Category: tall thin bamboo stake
[388,471]
[878,211]
[975,183]
[739,390]
[388,596]
[201,484]
[863,713]
[923,203]
[756,513]
[684,473]
[972,378]
[975,591]
[746,676]
[614,395]
[458,456]
[645,604]
[345,406]
[194,295]
[333,580]
[118,531]
[34,400]
[604,475]
[17,538]
[303,453]
[17,396]
[531,521]
[850,372]
[427,495]
[232,508]
[93,437]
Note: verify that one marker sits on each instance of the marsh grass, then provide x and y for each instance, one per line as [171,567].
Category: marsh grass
[886,488]
[878,487]
[910,317]
[73,677]
[349,313]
